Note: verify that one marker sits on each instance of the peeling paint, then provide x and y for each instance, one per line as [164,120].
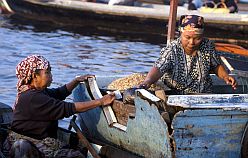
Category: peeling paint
[205,126]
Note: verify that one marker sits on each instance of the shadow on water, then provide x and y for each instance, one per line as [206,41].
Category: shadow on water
[119,31]
[71,50]
[151,33]
[95,47]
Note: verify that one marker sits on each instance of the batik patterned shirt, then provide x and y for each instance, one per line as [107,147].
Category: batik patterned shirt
[188,74]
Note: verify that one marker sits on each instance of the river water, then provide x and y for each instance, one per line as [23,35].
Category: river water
[102,50]
[69,53]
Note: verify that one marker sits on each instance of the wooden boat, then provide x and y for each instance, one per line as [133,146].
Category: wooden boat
[213,125]
[210,125]
[149,14]
[123,19]
[153,20]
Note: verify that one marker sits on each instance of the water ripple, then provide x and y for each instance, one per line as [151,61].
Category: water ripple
[70,54]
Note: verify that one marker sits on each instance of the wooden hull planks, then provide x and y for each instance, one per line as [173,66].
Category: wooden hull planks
[210,125]
[209,133]
[146,134]
[157,14]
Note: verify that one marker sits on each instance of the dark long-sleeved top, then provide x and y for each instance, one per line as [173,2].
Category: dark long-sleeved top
[37,112]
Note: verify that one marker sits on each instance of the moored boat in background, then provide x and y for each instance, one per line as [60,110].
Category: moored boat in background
[151,14]
[151,20]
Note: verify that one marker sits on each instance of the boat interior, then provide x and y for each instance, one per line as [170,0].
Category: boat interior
[112,125]
[151,106]
[125,111]
[166,101]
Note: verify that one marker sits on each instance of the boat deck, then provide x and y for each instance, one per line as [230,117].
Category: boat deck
[145,13]
[154,11]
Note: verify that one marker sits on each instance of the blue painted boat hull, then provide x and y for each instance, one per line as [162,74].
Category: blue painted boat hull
[208,126]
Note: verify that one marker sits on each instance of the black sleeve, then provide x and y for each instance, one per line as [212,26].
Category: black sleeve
[47,108]
[58,93]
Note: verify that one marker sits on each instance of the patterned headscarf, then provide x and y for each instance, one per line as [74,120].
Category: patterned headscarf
[193,23]
[26,68]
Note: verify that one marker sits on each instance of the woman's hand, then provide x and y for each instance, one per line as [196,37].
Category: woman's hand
[71,85]
[83,78]
[221,72]
[230,81]
[87,105]
[153,76]
[144,85]
[107,99]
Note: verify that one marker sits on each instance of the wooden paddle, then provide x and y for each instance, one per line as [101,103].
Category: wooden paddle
[82,138]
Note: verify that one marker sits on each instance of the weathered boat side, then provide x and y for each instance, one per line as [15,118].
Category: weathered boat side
[146,134]
[159,14]
[211,126]
[205,126]
[215,101]
[209,133]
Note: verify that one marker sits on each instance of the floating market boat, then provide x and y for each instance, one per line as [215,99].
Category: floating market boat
[76,12]
[155,125]
[121,20]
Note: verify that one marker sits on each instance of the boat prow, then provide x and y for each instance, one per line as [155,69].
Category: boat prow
[174,125]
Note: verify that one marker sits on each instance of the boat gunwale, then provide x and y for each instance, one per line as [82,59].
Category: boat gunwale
[141,12]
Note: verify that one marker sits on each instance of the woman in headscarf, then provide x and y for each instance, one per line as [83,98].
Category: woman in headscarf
[37,108]
[186,62]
